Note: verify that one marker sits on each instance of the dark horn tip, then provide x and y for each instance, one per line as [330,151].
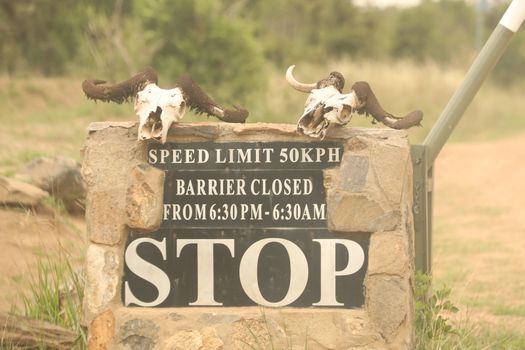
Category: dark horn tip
[93,82]
[411,119]
[237,115]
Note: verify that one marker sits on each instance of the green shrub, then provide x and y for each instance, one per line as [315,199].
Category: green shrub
[196,37]
[433,329]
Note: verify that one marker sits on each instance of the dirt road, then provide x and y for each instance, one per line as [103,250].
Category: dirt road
[479,232]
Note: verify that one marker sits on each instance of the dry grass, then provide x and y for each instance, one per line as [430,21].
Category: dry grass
[49,116]
[479,231]
[402,87]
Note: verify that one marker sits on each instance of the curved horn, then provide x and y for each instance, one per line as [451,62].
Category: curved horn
[297,85]
[413,118]
[97,90]
[200,102]
[369,105]
[235,115]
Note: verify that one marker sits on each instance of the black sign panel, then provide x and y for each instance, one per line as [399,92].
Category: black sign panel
[245,224]
[244,198]
[307,250]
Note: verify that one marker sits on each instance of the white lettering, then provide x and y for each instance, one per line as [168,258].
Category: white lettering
[218,159]
[164,153]
[278,187]
[283,156]
[320,211]
[189,153]
[356,259]
[298,272]
[320,152]
[152,156]
[268,154]
[166,211]
[333,155]
[146,271]
[205,272]
[204,155]
[244,156]
[177,153]
[179,187]
[305,155]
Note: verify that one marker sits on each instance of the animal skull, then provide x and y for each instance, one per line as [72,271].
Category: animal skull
[327,105]
[324,107]
[157,109]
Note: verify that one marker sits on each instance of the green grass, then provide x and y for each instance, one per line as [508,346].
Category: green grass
[465,247]
[54,294]
[53,289]
[436,331]
[485,301]
[479,337]
[508,310]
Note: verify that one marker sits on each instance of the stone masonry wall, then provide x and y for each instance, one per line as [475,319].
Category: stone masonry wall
[371,191]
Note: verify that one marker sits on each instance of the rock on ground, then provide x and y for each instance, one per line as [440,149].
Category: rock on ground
[14,192]
[60,176]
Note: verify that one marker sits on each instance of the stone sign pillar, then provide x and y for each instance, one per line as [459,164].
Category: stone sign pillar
[250,236]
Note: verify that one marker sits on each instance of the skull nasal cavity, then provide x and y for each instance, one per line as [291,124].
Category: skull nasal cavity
[154,117]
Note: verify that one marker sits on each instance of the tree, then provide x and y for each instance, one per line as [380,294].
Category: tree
[196,37]
[440,31]
[43,34]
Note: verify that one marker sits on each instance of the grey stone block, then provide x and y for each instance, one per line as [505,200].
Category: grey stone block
[144,198]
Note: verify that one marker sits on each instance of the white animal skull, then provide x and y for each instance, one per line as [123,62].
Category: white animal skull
[157,109]
[327,105]
[324,107]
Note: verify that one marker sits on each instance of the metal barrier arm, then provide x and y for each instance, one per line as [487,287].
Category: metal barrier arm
[424,155]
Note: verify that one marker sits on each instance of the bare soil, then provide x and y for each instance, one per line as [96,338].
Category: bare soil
[479,233]
[479,229]
[27,237]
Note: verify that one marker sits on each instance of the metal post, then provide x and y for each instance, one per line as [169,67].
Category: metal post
[422,209]
[424,155]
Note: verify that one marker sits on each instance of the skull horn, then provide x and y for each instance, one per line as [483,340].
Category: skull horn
[200,102]
[297,85]
[121,92]
[369,105]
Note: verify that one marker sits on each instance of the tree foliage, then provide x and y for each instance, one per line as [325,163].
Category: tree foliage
[511,67]
[442,31]
[42,35]
[199,38]
[226,44]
